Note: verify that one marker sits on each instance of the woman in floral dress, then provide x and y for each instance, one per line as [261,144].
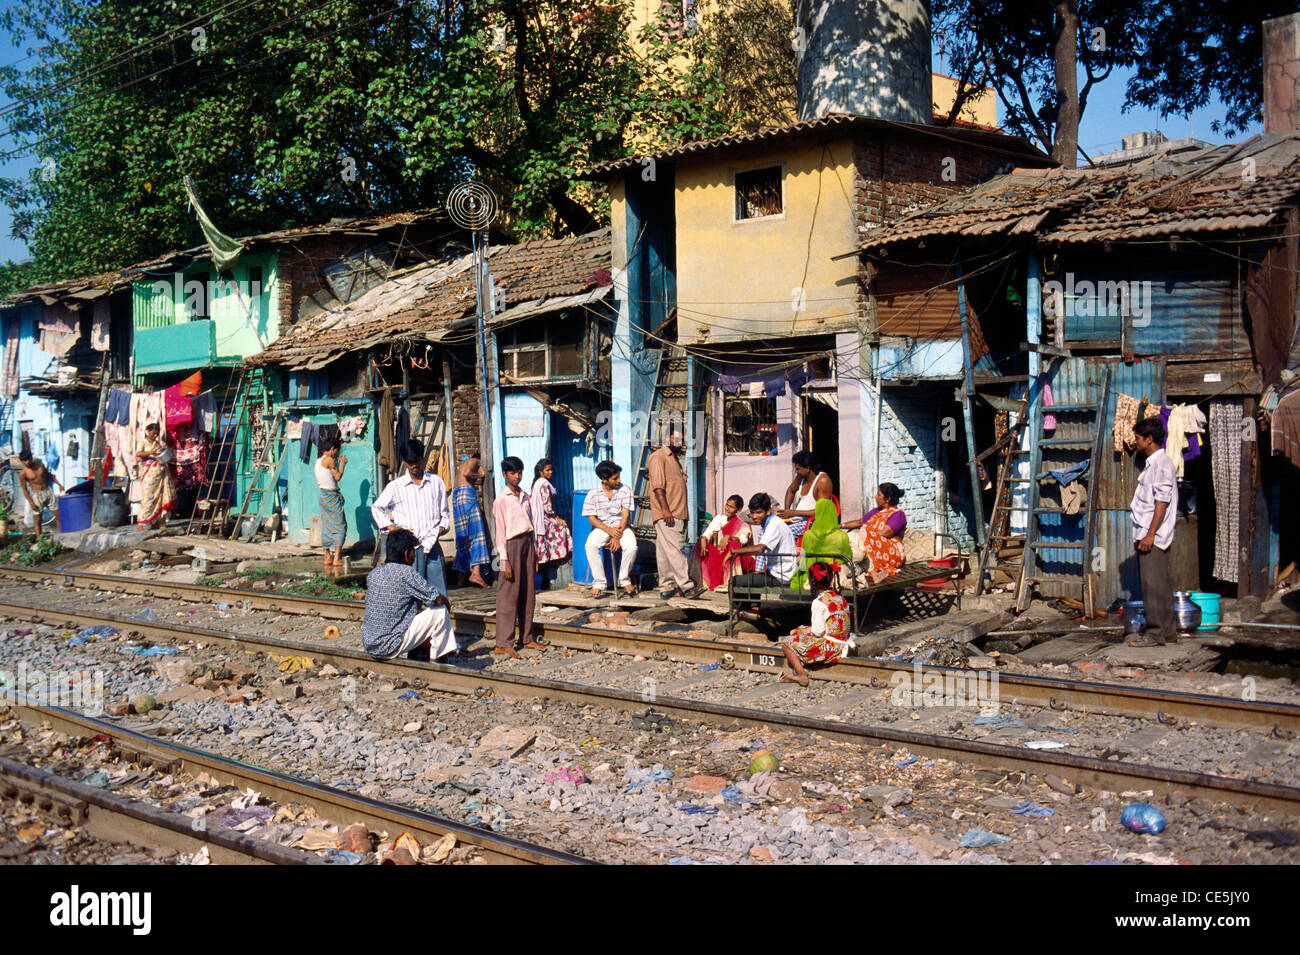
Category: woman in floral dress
[827,639]
[554,539]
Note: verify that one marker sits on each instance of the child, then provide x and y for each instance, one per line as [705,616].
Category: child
[827,640]
[516,589]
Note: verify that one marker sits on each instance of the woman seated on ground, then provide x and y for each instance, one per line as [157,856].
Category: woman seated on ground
[725,532]
[884,526]
[827,639]
[823,541]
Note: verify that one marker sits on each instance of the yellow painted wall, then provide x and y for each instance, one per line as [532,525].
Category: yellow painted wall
[981,108]
[739,279]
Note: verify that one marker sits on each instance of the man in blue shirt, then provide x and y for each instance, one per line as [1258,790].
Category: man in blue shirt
[404,613]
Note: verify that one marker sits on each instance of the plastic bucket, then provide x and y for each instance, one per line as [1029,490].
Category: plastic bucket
[1209,604]
[74,512]
[113,510]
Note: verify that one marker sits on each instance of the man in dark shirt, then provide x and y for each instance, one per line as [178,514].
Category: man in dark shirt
[404,613]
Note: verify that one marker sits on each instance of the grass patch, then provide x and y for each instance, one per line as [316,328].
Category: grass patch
[24,554]
[258,573]
[318,586]
[213,580]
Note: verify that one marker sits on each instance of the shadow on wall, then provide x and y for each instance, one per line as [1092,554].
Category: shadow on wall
[363,523]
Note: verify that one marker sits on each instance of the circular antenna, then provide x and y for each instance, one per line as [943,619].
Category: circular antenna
[472,205]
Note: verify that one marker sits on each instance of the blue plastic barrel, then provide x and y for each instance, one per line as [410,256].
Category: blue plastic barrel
[1209,604]
[74,512]
[581,527]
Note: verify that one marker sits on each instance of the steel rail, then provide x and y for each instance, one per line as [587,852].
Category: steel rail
[337,806]
[1165,706]
[115,818]
[1100,773]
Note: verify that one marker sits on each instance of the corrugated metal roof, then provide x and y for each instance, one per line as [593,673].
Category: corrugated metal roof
[832,122]
[1220,189]
[425,303]
[93,286]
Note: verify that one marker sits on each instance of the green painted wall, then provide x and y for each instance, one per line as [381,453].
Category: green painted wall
[360,484]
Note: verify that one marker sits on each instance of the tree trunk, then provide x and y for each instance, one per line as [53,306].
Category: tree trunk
[1065,147]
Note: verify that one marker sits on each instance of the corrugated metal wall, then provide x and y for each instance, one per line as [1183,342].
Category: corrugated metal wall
[527,430]
[1189,302]
[1077,381]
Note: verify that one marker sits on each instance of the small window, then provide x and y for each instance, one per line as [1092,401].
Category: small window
[750,425]
[524,362]
[254,281]
[758,193]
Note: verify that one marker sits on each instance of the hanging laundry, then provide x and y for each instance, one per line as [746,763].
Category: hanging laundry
[1126,414]
[191,459]
[1225,465]
[59,329]
[1284,431]
[729,384]
[387,452]
[293,430]
[191,386]
[205,411]
[118,408]
[1182,424]
[354,427]
[306,440]
[177,409]
[403,428]
[1049,420]
[99,325]
[13,336]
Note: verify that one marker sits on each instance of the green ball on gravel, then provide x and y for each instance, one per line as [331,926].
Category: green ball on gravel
[143,703]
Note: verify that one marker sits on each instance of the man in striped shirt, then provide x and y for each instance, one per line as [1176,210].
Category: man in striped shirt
[417,502]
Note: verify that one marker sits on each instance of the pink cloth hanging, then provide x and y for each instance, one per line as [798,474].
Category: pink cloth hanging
[177,409]
[1049,420]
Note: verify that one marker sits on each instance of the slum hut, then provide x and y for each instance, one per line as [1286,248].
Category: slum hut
[403,352]
[1087,297]
[737,256]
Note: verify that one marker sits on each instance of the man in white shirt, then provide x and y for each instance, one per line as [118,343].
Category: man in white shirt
[774,563]
[417,502]
[1155,515]
[609,508]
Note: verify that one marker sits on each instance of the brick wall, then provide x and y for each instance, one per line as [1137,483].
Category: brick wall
[897,174]
[299,270]
[464,418]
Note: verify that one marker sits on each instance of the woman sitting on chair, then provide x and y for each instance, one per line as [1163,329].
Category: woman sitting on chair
[827,639]
[884,526]
[725,532]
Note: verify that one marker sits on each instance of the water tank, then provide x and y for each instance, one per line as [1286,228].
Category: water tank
[868,57]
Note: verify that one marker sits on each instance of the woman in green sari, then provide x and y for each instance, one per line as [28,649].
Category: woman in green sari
[824,538]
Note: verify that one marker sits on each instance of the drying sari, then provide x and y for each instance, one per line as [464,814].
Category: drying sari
[824,537]
[886,553]
[157,491]
[719,564]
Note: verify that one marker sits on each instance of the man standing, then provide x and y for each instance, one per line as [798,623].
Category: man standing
[35,479]
[668,510]
[609,508]
[417,502]
[403,613]
[516,587]
[1155,514]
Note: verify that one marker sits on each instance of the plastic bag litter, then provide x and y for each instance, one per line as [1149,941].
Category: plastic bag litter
[979,838]
[146,614]
[1028,808]
[156,651]
[99,630]
[343,857]
[573,775]
[1045,744]
[691,809]
[409,695]
[641,777]
[1142,817]
[97,780]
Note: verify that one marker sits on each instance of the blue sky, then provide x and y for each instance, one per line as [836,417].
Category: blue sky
[1103,125]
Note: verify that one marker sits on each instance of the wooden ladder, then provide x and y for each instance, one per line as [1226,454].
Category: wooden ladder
[1030,575]
[999,535]
[212,505]
[265,483]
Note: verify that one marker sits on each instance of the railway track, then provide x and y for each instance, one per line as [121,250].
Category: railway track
[1082,769]
[119,819]
[1166,707]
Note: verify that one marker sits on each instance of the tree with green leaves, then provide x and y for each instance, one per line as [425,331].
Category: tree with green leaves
[287,112]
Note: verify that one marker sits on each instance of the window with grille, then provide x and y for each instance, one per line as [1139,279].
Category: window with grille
[758,193]
[750,425]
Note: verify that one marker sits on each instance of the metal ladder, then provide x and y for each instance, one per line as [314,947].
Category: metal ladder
[1030,575]
[671,394]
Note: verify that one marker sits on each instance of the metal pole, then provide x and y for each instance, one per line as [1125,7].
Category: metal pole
[484,403]
[968,393]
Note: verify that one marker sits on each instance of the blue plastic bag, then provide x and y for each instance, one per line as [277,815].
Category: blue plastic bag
[1142,817]
[979,838]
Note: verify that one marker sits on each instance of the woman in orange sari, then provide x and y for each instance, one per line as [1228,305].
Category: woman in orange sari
[725,532]
[884,526]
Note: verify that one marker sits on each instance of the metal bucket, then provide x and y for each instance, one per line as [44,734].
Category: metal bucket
[1133,617]
[1187,613]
